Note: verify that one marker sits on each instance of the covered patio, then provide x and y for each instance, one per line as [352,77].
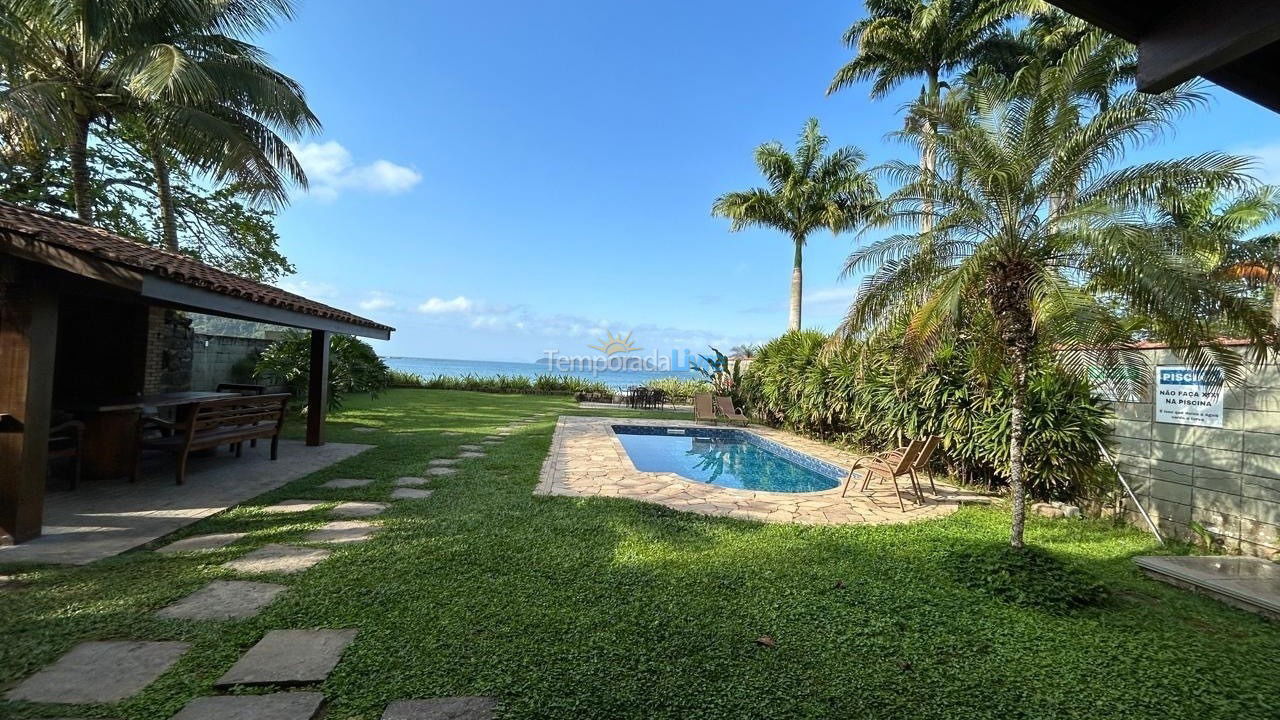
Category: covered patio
[82,332]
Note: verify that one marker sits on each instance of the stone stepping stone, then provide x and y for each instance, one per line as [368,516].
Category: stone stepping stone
[212,541]
[447,708]
[276,706]
[289,657]
[342,531]
[358,508]
[100,672]
[362,429]
[471,454]
[347,483]
[416,481]
[405,493]
[439,471]
[443,462]
[292,506]
[490,442]
[276,558]
[223,600]
[469,447]
[451,434]
[490,437]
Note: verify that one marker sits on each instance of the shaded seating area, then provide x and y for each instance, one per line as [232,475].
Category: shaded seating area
[84,331]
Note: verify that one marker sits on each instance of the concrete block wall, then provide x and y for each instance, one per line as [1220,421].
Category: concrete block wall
[1227,480]
[168,359]
[214,357]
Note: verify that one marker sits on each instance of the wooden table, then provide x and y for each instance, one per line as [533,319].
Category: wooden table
[111,429]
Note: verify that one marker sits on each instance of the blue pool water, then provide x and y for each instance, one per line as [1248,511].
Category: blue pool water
[725,457]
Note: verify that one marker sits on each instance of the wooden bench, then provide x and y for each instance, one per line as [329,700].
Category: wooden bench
[224,421]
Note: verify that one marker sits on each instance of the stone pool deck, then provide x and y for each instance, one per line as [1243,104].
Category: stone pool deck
[586,459]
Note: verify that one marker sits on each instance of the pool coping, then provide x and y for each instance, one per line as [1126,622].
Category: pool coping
[586,459]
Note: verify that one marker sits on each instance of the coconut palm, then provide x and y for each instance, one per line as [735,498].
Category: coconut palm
[902,40]
[70,65]
[806,192]
[1036,233]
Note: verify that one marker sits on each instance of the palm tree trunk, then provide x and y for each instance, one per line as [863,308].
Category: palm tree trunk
[797,286]
[1017,431]
[81,182]
[1275,304]
[929,153]
[164,194]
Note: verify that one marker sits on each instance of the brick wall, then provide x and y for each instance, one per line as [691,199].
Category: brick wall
[168,360]
[1227,480]
[215,356]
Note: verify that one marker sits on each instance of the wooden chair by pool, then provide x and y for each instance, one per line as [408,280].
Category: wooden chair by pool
[728,411]
[703,411]
[894,464]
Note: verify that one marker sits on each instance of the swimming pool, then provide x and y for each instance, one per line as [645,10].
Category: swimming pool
[726,457]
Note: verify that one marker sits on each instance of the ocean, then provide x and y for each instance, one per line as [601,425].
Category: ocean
[616,379]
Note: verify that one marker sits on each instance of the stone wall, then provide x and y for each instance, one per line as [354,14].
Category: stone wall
[1226,480]
[215,357]
[168,361]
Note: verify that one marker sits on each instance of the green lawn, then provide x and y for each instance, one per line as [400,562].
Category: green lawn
[574,608]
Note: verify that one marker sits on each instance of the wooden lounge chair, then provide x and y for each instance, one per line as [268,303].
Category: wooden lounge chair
[730,413]
[702,408]
[894,464]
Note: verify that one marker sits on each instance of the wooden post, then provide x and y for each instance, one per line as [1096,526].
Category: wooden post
[28,342]
[318,387]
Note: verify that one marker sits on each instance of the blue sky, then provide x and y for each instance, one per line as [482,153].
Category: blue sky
[498,179]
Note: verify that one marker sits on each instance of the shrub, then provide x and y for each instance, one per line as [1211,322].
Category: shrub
[539,385]
[866,395]
[680,388]
[1026,577]
[353,366]
[404,379]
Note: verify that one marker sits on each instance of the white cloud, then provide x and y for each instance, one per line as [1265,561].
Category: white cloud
[835,295]
[377,300]
[439,306]
[313,290]
[331,169]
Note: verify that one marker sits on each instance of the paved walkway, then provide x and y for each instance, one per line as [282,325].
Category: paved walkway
[587,459]
[101,519]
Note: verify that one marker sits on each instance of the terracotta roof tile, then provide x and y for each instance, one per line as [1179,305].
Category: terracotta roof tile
[81,237]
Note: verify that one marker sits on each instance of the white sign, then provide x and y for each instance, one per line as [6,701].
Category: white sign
[1186,396]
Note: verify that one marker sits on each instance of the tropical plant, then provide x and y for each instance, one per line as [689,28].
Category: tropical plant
[522,384]
[807,191]
[679,388]
[870,395]
[1034,230]
[722,374]
[174,72]
[902,40]
[354,367]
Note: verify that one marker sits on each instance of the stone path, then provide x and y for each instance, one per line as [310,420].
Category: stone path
[441,471]
[469,447]
[358,508]
[417,481]
[409,494]
[442,462]
[277,558]
[347,483]
[342,531]
[471,454]
[224,600]
[276,706]
[293,506]
[289,657]
[100,672]
[449,708]
[212,541]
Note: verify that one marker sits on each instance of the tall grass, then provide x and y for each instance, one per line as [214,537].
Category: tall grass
[680,388]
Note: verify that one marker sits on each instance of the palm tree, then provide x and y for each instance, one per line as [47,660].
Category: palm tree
[171,66]
[902,40]
[1035,233]
[1223,233]
[807,191]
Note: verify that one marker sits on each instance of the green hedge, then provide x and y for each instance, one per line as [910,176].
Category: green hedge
[872,397]
[540,385]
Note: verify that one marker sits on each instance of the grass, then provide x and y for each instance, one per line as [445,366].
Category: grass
[606,608]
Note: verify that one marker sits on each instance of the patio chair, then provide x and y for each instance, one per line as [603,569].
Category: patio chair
[66,439]
[703,411]
[730,413]
[894,464]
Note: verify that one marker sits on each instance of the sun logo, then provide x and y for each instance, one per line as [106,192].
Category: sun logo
[612,344]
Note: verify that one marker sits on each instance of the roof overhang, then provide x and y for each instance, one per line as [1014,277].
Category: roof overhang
[1234,44]
[162,291]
